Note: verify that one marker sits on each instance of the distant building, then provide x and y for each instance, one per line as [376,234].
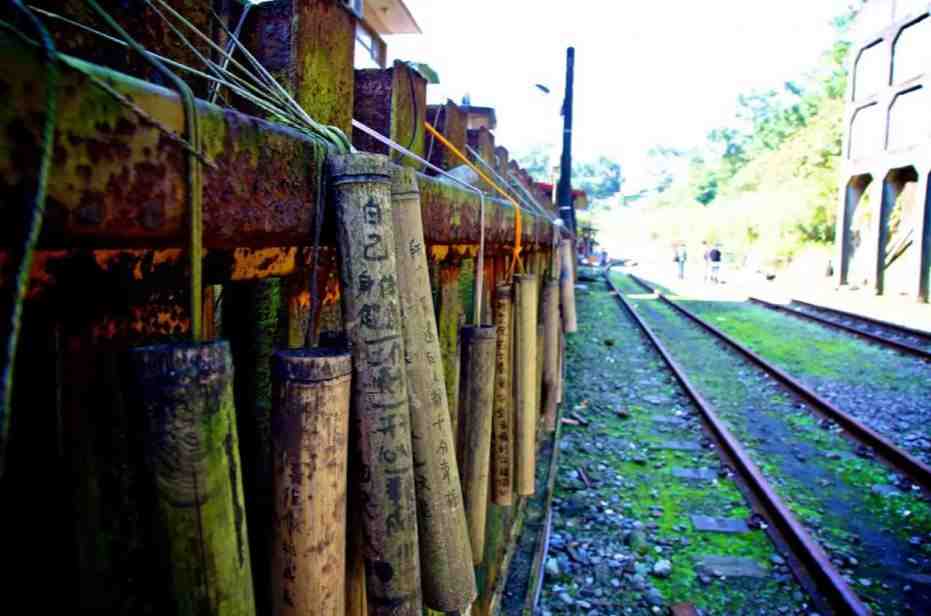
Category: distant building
[882,225]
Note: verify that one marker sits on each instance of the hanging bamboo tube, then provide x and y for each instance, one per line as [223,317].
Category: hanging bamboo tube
[525,358]
[538,377]
[502,458]
[550,352]
[477,400]
[561,376]
[360,186]
[192,451]
[448,579]
[567,287]
[310,424]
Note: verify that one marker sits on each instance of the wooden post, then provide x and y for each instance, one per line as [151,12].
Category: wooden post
[478,378]
[525,357]
[192,451]
[445,557]
[502,459]
[360,186]
[310,426]
[567,287]
[550,352]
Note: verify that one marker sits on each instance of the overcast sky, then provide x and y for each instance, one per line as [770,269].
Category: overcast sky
[647,72]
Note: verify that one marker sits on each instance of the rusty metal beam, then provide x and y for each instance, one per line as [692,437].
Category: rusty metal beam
[117,180]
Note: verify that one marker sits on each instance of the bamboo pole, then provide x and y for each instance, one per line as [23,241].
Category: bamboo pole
[446,559]
[567,287]
[310,425]
[192,451]
[538,378]
[502,458]
[550,352]
[360,186]
[478,377]
[525,353]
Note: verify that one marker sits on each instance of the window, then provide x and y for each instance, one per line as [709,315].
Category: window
[867,132]
[909,121]
[871,73]
[912,51]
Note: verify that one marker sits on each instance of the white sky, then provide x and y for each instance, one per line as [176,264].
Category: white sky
[647,72]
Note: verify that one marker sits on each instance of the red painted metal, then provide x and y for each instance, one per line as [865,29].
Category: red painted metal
[806,549]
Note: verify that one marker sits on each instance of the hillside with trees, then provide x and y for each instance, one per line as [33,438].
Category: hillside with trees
[764,186]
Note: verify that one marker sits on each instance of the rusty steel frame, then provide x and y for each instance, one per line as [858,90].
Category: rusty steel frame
[899,346]
[808,551]
[897,458]
[118,172]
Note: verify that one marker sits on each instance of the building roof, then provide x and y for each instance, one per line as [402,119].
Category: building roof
[390,17]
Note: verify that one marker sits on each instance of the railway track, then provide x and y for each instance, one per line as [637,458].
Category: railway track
[907,340]
[808,480]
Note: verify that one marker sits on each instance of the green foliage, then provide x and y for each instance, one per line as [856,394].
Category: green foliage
[600,178]
[766,184]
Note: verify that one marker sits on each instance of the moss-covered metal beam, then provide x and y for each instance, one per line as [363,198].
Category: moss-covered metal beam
[118,179]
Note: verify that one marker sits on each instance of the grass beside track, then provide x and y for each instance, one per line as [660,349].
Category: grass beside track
[874,530]
[886,389]
[607,539]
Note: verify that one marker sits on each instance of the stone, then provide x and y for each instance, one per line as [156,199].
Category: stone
[680,446]
[683,609]
[662,568]
[704,523]
[885,490]
[731,566]
[654,597]
[552,566]
[695,474]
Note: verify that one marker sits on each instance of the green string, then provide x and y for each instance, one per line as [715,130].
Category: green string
[194,172]
[34,220]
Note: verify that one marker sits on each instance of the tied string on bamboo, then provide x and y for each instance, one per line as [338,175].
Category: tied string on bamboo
[190,439]
[310,443]
[517,264]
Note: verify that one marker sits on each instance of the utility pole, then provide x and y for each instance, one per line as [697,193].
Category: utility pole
[564,190]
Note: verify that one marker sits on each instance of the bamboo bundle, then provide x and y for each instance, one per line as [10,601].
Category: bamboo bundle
[502,462]
[478,377]
[446,558]
[360,186]
[192,451]
[567,287]
[525,352]
[310,425]
[550,352]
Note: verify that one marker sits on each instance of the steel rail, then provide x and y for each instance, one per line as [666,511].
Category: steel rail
[895,344]
[912,467]
[808,551]
[902,329]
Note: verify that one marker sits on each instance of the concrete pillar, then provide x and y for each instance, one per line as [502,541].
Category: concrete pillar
[875,191]
[923,237]
[848,197]
[888,191]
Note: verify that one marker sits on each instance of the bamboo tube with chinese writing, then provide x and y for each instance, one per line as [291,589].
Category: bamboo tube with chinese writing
[567,287]
[448,579]
[477,401]
[192,451]
[502,455]
[525,361]
[310,426]
[360,187]
[550,353]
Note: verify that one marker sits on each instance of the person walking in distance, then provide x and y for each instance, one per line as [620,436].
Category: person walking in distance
[680,259]
[705,251]
[714,257]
